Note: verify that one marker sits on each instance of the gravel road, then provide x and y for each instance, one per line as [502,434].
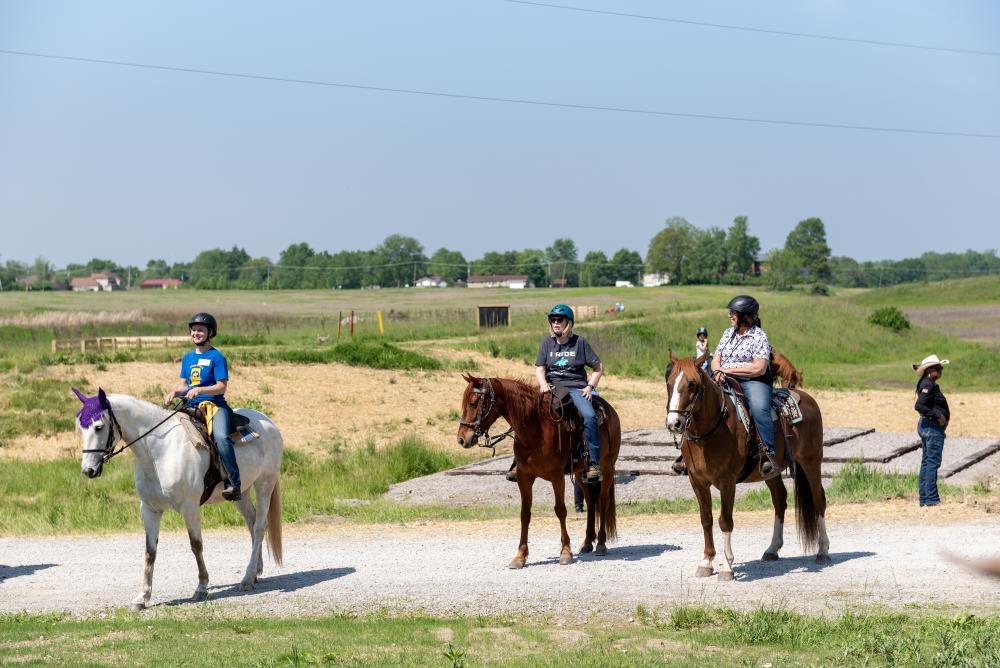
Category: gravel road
[460,568]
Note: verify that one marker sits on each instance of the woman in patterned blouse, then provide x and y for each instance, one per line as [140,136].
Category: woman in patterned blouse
[744,352]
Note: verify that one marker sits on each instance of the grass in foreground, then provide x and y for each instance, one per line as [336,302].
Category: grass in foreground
[682,636]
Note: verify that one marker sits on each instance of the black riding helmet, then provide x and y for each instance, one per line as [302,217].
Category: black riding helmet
[744,304]
[701,330]
[206,319]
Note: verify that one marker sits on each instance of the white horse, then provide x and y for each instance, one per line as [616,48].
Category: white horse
[170,472]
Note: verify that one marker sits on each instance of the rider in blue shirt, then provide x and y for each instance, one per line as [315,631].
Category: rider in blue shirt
[205,376]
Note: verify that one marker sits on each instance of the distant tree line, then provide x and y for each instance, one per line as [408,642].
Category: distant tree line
[687,254]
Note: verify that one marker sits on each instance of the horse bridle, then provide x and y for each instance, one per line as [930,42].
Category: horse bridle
[688,413]
[109,445]
[488,400]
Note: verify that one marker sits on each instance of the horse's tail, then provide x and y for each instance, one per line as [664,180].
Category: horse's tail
[274,524]
[609,513]
[806,513]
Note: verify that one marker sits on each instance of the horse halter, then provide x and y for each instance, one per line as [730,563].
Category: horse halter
[688,413]
[488,401]
[109,444]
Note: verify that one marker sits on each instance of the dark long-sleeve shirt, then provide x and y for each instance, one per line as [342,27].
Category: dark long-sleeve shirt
[931,403]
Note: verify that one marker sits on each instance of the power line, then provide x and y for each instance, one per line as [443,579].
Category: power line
[766,31]
[507,100]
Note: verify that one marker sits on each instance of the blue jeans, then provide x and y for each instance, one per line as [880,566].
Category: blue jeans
[221,426]
[758,397]
[590,433]
[932,435]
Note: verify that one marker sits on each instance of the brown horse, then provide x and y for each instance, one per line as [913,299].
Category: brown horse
[542,449]
[785,371]
[715,447]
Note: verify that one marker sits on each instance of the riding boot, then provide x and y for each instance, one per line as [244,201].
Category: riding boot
[768,464]
[593,473]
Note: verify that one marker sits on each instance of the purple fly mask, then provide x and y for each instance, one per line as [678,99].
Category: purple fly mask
[93,407]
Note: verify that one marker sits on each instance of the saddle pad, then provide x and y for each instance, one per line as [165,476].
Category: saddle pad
[787,403]
[741,412]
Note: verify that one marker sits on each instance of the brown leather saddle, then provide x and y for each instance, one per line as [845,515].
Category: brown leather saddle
[563,411]
[779,413]
[216,472]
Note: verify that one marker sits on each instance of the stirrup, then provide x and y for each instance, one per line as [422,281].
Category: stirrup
[593,473]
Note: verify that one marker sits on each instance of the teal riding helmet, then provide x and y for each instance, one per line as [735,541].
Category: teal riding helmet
[563,310]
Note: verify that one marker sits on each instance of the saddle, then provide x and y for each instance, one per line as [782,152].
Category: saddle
[199,429]
[784,410]
[563,412]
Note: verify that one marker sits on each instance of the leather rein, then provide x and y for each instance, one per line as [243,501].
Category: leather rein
[109,445]
[488,401]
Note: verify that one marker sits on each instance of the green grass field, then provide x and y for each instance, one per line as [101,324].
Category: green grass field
[830,338]
[681,636]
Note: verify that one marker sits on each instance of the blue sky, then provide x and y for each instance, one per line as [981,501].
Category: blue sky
[132,164]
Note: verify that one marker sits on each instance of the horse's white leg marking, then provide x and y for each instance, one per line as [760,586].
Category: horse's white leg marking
[151,521]
[264,488]
[824,540]
[727,549]
[192,520]
[673,417]
[777,538]
[246,508]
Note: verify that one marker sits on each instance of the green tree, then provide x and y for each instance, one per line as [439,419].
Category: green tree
[707,261]
[449,265]
[403,258]
[783,269]
[626,265]
[671,249]
[156,269]
[596,270]
[288,273]
[254,274]
[741,249]
[531,261]
[846,272]
[562,259]
[217,269]
[808,248]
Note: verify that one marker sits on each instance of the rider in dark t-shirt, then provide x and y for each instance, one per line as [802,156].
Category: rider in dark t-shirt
[562,360]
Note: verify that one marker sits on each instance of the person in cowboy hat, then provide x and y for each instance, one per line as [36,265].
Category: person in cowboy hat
[934,417]
[744,352]
[205,377]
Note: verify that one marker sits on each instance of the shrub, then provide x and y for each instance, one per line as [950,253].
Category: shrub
[890,317]
[820,290]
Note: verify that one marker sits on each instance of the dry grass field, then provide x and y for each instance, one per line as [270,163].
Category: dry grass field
[322,407]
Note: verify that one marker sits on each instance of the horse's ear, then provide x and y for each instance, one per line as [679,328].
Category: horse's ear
[673,358]
[79,395]
[103,398]
[467,377]
[701,360]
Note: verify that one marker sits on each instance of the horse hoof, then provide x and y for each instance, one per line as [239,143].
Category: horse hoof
[823,559]
[516,564]
[703,571]
[586,549]
[199,596]
[565,559]
[769,556]
[601,550]
[247,585]
[726,575]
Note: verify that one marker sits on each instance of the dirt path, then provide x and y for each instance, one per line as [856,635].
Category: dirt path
[461,568]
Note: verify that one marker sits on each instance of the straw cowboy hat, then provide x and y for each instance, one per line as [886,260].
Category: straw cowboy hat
[929,361]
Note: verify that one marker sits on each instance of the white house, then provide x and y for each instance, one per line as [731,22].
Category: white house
[101,281]
[624,284]
[431,282]
[513,281]
[655,280]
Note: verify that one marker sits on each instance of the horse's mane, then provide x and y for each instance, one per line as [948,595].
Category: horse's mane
[522,398]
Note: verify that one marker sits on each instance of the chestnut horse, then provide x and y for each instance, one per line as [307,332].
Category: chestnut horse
[715,447]
[542,449]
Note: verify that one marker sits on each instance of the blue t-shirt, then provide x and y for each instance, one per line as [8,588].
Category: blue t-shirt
[202,370]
